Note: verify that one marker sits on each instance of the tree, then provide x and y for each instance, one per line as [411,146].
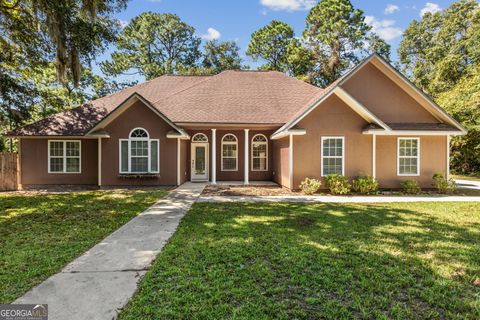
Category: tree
[270,43]
[300,60]
[220,56]
[440,54]
[153,44]
[337,34]
[72,31]
[439,50]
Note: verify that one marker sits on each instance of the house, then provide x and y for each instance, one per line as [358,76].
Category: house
[244,126]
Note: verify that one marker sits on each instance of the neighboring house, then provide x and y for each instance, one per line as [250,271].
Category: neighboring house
[244,126]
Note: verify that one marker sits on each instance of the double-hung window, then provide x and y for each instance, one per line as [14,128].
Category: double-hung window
[408,156]
[333,155]
[229,153]
[64,156]
[139,154]
[259,153]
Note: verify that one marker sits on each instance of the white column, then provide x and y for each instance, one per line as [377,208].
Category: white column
[214,156]
[290,161]
[374,156]
[179,174]
[448,157]
[246,165]
[99,162]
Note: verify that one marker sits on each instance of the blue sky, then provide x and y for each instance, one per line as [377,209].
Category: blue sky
[237,19]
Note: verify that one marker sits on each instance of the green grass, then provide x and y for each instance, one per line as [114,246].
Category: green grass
[306,261]
[42,233]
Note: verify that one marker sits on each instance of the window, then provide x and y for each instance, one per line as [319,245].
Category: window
[408,156]
[64,156]
[229,152]
[259,153]
[199,137]
[333,153]
[139,153]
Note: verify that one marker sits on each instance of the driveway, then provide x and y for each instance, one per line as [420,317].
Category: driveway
[101,281]
[468,184]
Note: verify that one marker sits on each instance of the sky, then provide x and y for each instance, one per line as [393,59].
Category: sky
[236,20]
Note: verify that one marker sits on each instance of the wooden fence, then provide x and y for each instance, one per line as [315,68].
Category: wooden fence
[8,171]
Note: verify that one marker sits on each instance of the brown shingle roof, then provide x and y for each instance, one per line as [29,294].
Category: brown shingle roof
[265,97]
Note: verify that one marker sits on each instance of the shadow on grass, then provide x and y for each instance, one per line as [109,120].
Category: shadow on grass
[41,233]
[317,261]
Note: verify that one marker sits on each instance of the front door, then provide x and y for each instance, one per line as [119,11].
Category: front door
[199,169]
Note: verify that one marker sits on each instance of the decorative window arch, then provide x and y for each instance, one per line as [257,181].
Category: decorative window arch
[200,137]
[139,154]
[229,152]
[259,153]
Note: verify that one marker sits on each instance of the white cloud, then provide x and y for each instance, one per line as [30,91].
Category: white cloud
[288,5]
[430,7]
[391,8]
[212,34]
[123,23]
[385,29]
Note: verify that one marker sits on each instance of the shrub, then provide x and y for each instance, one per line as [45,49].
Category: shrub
[442,184]
[365,184]
[410,186]
[310,186]
[337,184]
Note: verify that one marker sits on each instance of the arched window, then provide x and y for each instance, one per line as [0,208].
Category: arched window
[199,137]
[229,152]
[139,153]
[259,153]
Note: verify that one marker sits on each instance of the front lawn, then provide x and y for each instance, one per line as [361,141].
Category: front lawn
[306,261]
[41,233]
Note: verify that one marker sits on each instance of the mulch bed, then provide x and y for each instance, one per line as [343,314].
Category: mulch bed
[225,190]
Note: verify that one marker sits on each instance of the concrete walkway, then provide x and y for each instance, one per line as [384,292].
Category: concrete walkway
[102,280]
[468,184]
[338,199]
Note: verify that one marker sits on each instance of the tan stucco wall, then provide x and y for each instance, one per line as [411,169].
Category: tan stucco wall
[433,158]
[34,164]
[281,163]
[331,118]
[138,115]
[384,98]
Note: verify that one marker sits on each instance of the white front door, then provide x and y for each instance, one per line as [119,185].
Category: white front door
[199,166]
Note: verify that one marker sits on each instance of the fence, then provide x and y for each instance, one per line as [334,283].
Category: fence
[8,171]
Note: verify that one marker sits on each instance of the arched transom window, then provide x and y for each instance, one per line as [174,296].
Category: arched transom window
[259,153]
[139,153]
[229,152]
[199,137]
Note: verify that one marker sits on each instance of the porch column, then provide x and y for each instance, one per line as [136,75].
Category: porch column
[246,165]
[99,162]
[214,156]
[179,176]
[374,156]
[448,157]
[290,162]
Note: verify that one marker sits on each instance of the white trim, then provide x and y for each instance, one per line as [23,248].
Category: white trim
[99,162]
[323,138]
[236,153]
[214,156]
[207,160]
[294,132]
[290,161]
[448,158]
[178,161]
[266,156]
[411,133]
[374,156]
[246,158]
[64,156]
[139,138]
[398,157]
